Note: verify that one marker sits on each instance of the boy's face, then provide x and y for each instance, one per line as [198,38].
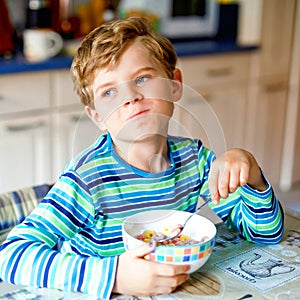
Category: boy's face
[134,99]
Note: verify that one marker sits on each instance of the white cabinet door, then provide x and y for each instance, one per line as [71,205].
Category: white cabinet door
[276,37]
[268,87]
[265,132]
[222,80]
[24,153]
[290,165]
[218,120]
[63,91]
[24,92]
[72,133]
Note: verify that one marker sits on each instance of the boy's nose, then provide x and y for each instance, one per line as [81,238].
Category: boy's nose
[131,95]
[132,101]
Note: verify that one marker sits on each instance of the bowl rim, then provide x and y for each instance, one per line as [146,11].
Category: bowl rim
[169,211]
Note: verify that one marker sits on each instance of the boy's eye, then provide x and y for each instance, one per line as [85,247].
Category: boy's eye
[109,92]
[142,79]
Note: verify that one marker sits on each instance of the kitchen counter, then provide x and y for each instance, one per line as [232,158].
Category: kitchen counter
[209,47]
[183,48]
[19,64]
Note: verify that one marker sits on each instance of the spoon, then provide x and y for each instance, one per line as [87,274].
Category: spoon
[159,238]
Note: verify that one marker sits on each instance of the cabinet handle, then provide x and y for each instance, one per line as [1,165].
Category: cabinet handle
[274,87]
[77,118]
[24,127]
[206,96]
[195,100]
[219,72]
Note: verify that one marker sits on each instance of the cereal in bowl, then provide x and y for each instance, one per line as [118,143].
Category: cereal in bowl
[180,240]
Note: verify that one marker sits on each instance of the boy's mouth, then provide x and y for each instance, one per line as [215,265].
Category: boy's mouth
[142,112]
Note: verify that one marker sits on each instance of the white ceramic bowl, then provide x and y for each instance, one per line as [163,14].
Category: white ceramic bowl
[197,228]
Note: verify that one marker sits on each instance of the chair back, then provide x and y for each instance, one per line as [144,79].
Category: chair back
[16,205]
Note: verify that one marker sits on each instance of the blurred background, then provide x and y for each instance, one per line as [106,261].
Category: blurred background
[241,56]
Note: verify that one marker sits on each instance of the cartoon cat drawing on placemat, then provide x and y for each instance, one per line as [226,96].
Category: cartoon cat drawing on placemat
[264,269]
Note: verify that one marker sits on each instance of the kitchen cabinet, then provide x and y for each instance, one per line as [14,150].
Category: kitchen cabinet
[24,92]
[73,131]
[25,155]
[290,166]
[42,126]
[268,87]
[214,106]
[44,120]
[277,27]
[267,105]
[63,94]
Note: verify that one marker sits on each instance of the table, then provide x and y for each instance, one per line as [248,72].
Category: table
[236,270]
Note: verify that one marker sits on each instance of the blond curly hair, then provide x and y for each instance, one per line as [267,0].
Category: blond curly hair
[103,46]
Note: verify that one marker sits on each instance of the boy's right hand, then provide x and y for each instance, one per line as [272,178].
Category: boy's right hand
[140,277]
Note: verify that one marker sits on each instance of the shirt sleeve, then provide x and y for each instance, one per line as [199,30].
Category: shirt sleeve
[257,215]
[30,257]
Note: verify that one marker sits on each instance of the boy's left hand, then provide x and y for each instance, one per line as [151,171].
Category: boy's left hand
[234,168]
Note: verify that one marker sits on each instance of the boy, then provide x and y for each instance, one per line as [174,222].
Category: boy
[126,77]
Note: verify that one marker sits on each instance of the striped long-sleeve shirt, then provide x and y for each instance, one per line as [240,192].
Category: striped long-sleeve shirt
[84,211]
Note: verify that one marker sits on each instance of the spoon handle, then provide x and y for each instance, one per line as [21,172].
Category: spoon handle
[202,205]
[197,210]
[154,238]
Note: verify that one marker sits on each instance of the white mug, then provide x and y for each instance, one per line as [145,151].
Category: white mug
[41,44]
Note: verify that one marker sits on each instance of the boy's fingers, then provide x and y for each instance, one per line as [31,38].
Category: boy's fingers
[143,250]
[213,185]
[244,175]
[224,180]
[234,180]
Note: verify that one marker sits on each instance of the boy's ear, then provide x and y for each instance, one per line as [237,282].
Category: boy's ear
[177,85]
[94,116]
